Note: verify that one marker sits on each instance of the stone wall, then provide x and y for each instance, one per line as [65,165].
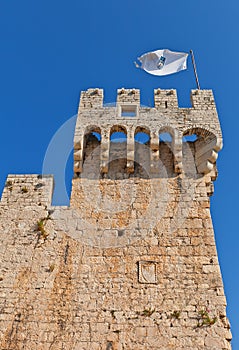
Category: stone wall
[132,262]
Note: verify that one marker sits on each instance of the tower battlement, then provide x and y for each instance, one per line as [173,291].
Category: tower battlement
[128,116]
[167,98]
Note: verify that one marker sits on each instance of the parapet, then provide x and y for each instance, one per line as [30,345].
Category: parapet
[25,190]
[92,98]
[128,96]
[165,99]
[200,99]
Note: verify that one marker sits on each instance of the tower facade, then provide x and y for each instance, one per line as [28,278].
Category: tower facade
[132,262]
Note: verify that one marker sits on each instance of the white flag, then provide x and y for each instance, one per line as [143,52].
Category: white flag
[163,62]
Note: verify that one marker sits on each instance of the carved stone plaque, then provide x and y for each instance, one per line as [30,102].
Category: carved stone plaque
[147,272]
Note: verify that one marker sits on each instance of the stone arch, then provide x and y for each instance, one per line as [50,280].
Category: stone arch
[118,152]
[168,129]
[91,129]
[142,158]
[142,129]
[166,150]
[91,151]
[200,155]
[118,129]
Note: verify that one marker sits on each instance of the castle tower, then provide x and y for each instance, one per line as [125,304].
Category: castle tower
[132,262]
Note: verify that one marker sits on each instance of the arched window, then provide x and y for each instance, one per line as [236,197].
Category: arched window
[118,152]
[118,137]
[165,137]
[91,154]
[199,152]
[142,152]
[166,158]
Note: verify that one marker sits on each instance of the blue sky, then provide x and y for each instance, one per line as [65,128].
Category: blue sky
[51,50]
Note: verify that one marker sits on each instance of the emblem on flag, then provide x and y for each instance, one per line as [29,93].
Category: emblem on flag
[161,62]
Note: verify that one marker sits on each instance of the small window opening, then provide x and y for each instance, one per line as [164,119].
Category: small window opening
[128,111]
[166,104]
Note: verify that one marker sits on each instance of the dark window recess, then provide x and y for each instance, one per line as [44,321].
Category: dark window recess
[128,111]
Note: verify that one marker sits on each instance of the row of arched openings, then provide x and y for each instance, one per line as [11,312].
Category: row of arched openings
[117,166]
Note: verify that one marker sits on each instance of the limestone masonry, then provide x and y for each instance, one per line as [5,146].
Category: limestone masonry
[132,262]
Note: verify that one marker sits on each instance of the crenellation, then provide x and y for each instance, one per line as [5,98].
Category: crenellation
[131,96]
[165,99]
[28,189]
[92,98]
[203,100]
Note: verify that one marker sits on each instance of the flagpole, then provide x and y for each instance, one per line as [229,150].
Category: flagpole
[195,69]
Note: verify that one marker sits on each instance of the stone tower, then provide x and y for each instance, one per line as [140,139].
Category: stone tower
[132,262]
